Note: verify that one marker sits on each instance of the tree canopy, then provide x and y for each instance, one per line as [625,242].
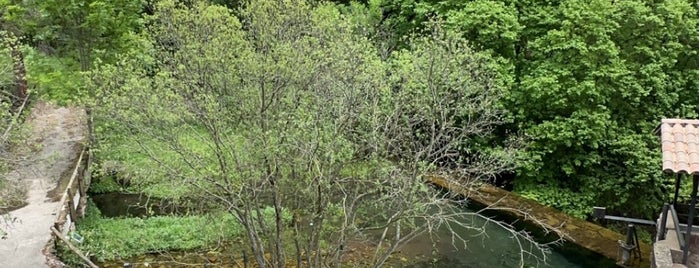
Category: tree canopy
[287,109]
[588,81]
[294,109]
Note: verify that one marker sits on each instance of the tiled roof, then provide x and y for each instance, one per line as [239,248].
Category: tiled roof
[680,140]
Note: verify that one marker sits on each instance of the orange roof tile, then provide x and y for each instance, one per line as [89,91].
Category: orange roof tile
[680,145]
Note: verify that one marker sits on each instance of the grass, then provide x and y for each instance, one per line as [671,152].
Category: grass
[113,238]
[123,158]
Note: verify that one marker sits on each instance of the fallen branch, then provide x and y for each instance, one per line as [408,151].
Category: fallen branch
[73,248]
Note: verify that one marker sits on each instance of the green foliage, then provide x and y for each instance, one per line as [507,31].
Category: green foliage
[288,105]
[6,92]
[268,214]
[105,184]
[6,76]
[84,30]
[492,25]
[113,238]
[67,37]
[590,80]
[12,194]
[55,78]
[575,204]
[124,158]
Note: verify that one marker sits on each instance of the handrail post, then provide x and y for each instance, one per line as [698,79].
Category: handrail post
[71,207]
[692,208]
[678,181]
[678,231]
[663,223]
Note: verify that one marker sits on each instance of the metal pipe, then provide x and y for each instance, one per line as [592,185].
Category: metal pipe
[630,220]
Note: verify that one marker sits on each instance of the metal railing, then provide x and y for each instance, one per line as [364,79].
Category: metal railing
[678,231]
[667,208]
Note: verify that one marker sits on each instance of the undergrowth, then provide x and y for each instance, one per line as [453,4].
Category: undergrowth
[112,238]
[125,164]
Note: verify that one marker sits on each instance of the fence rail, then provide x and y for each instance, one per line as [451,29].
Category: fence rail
[74,199]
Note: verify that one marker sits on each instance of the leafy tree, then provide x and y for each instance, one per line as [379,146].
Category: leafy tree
[289,109]
[83,29]
[585,101]
[588,81]
[67,37]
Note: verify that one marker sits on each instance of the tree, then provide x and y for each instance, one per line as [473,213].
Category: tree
[83,29]
[11,81]
[589,103]
[586,82]
[289,119]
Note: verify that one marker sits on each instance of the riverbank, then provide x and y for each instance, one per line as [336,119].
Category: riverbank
[586,234]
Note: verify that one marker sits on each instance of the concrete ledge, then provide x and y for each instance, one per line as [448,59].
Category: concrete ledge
[662,258]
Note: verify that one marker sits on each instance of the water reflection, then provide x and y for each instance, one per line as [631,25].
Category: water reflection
[484,245]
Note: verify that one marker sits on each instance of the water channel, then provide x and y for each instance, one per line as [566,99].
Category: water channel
[494,246]
[487,246]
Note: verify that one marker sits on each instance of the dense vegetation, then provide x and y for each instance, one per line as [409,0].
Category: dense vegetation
[111,238]
[13,100]
[288,106]
[217,97]
[588,81]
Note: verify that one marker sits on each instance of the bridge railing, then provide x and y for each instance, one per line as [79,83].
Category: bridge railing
[74,199]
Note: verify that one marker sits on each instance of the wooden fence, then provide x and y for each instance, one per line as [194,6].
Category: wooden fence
[74,199]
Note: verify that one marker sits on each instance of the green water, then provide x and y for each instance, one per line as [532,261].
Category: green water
[489,245]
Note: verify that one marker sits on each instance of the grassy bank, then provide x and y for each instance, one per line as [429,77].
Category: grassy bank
[114,238]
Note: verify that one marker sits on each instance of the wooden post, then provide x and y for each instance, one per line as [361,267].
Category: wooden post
[81,191]
[73,217]
[81,187]
[57,227]
[86,178]
[88,169]
[73,248]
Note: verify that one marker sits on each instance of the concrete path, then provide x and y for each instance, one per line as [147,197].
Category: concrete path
[58,133]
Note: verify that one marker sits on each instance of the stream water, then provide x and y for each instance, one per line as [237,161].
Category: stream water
[491,245]
[486,246]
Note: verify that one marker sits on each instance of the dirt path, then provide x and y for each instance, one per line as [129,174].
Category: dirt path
[59,133]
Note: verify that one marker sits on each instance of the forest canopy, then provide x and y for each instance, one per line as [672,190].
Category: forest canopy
[587,83]
[558,98]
